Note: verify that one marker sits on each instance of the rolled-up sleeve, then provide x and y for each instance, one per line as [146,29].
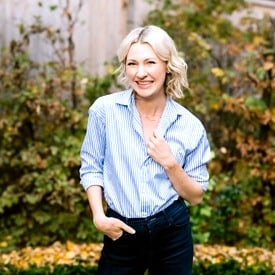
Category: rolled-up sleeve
[196,161]
[92,149]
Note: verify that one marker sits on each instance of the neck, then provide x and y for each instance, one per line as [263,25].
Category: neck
[150,109]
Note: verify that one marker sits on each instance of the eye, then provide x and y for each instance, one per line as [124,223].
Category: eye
[152,62]
[130,63]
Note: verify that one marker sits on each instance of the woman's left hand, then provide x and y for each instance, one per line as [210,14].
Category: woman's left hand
[159,150]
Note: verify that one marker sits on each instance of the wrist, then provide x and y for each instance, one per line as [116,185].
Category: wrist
[170,164]
[98,220]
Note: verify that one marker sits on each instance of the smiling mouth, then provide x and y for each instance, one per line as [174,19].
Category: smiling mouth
[144,83]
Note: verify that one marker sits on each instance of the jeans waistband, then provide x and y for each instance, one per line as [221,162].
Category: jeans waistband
[165,212]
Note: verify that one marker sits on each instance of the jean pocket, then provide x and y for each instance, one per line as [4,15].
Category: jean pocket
[180,217]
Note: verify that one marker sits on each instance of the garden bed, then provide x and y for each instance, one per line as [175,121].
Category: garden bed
[77,258]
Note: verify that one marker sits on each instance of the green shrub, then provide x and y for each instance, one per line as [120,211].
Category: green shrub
[57,270]
[225,268]
[231,75]
[43,114]
[230,267]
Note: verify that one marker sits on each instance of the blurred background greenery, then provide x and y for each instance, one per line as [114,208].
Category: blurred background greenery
[43,114]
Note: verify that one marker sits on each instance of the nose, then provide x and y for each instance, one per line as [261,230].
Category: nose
[141,72]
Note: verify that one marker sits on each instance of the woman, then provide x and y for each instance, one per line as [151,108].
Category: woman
[145,155]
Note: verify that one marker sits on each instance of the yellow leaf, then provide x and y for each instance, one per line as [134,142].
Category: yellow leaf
[70,245]
[268,66]
[3,244]
[37,260]
[218,72]
[258,40]
[70,255]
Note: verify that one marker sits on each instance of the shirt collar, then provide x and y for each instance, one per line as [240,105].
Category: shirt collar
[172,108]
[171,113]
[125,98]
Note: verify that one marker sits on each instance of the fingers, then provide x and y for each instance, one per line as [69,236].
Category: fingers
[121,226]
[127,228]
[117,236]
[155,140]
[156,137]
[156,134]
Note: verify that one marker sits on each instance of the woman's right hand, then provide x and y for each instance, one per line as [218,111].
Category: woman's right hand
[112,227]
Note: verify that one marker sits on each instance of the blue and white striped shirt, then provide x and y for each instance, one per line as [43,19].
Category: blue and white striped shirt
[114,154]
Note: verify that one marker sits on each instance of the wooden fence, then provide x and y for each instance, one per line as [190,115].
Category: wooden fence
[101,25]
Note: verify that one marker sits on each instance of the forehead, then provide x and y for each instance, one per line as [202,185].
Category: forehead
[141,51]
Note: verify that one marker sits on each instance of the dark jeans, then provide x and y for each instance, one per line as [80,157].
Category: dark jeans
[162,244]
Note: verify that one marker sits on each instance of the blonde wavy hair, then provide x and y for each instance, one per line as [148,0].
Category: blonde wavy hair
[164,47]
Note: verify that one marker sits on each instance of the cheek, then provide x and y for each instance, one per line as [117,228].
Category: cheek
[161,76]
[160,72]
[129,73]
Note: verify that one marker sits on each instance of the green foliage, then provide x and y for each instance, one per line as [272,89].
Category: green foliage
[225,218]
[231,74]
[230,267]
[43,111]
[42,123]
[202,212]
[57,270]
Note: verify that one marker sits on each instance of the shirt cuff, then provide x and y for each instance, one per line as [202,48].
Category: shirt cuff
[90,181]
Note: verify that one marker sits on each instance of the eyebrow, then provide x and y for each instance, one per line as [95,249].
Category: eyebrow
[146,59]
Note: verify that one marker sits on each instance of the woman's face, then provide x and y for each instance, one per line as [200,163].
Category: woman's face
[145,71]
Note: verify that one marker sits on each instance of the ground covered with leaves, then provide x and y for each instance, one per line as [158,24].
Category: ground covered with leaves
[72,254]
